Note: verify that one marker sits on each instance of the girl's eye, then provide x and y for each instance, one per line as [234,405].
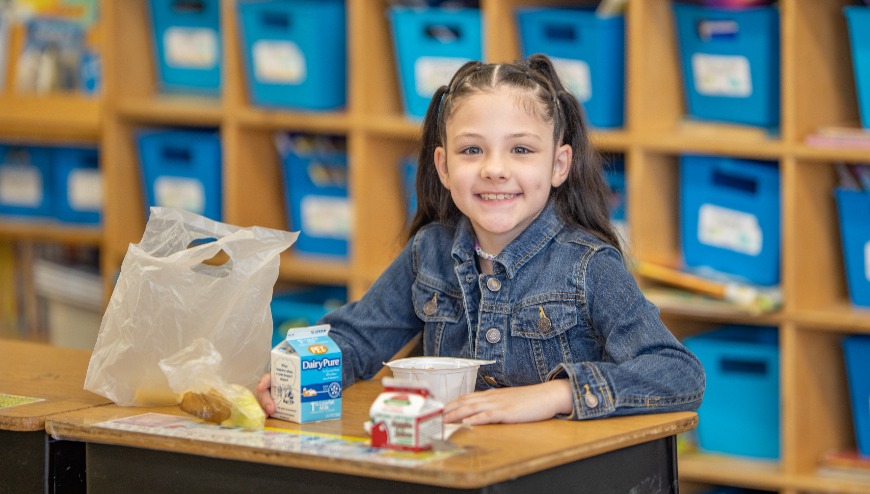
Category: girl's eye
[522,150]
[471,150]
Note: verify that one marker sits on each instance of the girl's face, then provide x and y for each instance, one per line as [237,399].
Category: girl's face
[499,163]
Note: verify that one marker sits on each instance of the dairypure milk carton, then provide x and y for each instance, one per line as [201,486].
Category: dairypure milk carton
[306,376]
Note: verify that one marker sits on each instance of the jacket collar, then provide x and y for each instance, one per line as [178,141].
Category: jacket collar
[542,230]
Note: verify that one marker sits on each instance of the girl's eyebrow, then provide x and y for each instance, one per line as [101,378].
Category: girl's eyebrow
[517,135]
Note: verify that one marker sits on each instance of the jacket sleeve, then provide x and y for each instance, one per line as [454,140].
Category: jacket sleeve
[644,369]
[370,331]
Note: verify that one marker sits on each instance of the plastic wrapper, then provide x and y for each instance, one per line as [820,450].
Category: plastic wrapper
[189,277]
[193,375]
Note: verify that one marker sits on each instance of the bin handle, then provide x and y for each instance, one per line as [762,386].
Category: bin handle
[560,31]
[275,20]
[176,154]
[188,6]
[717,29]
[743,366]
[743,184]
[443,33]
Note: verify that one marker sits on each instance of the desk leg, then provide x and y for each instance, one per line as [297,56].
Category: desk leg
[33,462]
[24,461]
[649,468]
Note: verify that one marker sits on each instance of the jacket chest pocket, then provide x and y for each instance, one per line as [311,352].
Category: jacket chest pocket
[440,312]
[546,333]
[544,320]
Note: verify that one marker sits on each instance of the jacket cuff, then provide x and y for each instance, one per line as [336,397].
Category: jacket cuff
[592,396]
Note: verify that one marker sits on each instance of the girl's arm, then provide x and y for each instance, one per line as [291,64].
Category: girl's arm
[512,405]
[644,369]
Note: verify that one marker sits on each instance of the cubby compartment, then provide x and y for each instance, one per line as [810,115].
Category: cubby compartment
[816,264]
[730,217]
[816,371]
[742,366]
[817,89]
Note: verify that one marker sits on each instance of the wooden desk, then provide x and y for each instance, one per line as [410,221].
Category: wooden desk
[55,375]
[612,455]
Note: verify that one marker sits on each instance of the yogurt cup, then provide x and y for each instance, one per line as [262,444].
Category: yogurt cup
[446,377]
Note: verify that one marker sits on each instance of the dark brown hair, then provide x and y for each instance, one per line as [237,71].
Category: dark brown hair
[581,201]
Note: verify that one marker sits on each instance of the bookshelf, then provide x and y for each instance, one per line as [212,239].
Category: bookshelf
[817,90]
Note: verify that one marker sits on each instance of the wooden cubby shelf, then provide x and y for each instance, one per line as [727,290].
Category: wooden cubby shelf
[817,90]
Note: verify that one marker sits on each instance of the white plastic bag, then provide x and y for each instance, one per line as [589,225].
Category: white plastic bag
[167,296]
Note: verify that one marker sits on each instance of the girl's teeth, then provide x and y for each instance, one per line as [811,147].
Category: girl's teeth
[497,197]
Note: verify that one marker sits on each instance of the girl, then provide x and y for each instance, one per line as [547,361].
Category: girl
[512,258]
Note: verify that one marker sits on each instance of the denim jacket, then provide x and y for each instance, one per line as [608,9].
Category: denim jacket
[560,304]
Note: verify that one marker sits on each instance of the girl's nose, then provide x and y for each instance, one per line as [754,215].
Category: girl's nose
[494,168]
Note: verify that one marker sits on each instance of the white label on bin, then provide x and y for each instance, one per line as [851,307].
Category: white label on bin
[191,47]
[721,75]
[867,261]
[432,72]
[326,217]
[180,192]
[20,185]
[575,76]
[85,190]
[278,62]
[729,229]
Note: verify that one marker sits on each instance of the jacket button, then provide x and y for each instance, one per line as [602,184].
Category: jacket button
[493,284]
[493,335]
[490,380]
[591,400]
[431,307]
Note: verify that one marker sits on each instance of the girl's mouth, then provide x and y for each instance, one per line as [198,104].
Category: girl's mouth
[497,197]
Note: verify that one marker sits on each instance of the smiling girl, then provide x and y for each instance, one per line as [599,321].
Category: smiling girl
[512,258]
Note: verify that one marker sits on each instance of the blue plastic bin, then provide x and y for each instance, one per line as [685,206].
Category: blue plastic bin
[615,175]
[431,44]
[588,52]
[182,169]
[318,201]
[740,411]
[25,181]
[856,352]
[409,185]
[730,63]
[729,216]
[187,44]
[858,19]
[78,185]
[303,307]
[854,209]
[295,53]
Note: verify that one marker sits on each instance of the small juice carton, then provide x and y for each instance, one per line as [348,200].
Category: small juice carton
[405,416]
[306,376]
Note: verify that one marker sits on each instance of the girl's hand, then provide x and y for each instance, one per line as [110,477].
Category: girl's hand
[264,394]
[512,405]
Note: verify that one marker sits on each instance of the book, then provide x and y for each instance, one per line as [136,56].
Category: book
[51,58]
[846,458]
[840,137]
[742,297]
[846,465]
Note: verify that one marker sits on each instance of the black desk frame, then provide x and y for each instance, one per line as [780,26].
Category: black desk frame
[646,467]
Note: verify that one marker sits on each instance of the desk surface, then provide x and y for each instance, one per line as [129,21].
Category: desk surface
[493,453]
[56,375]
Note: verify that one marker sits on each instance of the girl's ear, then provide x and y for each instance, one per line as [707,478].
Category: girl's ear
[562,164]
[441,166]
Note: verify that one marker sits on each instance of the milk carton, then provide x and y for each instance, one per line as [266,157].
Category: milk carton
[405,416]
[306,376]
